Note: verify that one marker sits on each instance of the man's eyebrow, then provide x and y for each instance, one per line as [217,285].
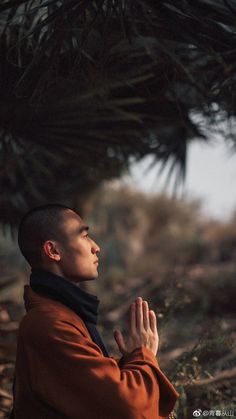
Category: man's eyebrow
[83,228]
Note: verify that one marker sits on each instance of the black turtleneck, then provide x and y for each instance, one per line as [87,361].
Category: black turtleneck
[69,294]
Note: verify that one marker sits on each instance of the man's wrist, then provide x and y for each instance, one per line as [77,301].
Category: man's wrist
[140,353]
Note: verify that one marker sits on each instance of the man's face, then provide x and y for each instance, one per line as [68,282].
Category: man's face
[79,260]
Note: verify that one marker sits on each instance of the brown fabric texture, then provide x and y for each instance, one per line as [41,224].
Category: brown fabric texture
[61,373]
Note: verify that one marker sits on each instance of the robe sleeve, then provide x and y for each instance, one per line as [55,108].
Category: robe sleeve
[69,372]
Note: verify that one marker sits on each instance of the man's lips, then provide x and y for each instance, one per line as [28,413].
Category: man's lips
[96,261]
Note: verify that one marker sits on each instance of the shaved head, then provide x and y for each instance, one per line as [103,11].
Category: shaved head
[37,226]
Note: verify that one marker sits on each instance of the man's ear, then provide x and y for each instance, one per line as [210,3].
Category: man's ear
[50,249]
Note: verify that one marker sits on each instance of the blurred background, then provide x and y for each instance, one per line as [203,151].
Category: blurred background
[126,112]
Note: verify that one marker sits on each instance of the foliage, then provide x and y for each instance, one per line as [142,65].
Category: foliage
[85,85]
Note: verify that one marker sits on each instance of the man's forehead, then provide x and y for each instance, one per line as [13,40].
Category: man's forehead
[70,214]
[73,220]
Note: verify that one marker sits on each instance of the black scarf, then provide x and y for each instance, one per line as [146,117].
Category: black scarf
[64,291]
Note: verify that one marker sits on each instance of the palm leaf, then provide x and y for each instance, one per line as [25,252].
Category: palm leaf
[97,82]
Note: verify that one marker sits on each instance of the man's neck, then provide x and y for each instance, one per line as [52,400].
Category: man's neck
[55,269]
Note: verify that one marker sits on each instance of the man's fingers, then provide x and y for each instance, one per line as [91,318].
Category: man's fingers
[153,320]
[132,318]
[145,315]
[120,341]
[139,313]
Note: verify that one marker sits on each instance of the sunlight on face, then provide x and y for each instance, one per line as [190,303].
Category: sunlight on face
[79,260]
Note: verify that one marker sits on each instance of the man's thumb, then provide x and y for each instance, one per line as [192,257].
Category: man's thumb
[120,340]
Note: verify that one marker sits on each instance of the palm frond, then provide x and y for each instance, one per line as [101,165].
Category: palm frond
[85,85]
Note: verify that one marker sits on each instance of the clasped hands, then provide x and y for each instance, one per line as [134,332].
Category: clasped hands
[142,329]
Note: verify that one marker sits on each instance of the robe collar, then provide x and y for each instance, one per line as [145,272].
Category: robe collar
[62,290]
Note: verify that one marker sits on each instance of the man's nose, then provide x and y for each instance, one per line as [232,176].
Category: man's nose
[95,247]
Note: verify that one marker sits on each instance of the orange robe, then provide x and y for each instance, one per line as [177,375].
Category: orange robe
[62,373]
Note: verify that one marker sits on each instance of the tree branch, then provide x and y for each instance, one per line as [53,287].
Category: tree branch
[224,375]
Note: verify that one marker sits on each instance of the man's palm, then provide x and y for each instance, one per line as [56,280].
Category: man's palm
[142,329]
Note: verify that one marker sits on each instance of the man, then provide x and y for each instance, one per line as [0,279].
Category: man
[63,369]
